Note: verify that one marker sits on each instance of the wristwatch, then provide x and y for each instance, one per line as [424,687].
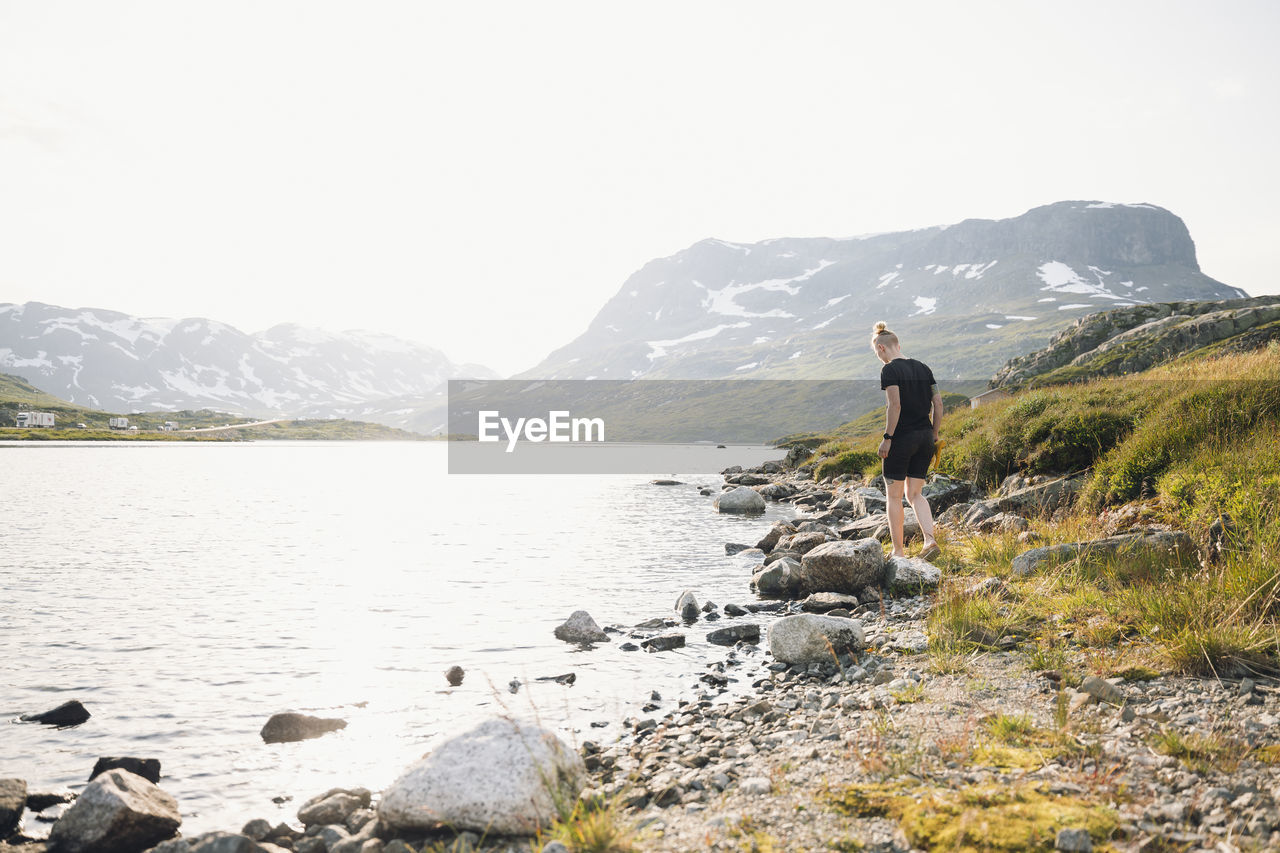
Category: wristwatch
[888,437]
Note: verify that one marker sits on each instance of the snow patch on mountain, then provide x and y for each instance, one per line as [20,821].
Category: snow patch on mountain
[658,349]
[925,304]
[722,301]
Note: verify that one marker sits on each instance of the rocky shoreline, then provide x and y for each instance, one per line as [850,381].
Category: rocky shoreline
[848,720]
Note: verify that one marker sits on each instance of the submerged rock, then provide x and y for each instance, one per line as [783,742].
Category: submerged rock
[119,812]
[502,777]
[147,768]
[731,634]
[454,675]
[70,713]
[663,643]
[581,628]
[290,727]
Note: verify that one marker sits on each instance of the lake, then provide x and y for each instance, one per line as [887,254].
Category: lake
[186,592]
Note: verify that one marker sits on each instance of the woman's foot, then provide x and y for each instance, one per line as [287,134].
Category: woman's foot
[930,551]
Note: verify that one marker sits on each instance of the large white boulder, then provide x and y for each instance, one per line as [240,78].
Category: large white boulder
[741,500]
[502,777]
[118,812]
[809,638]
[843,566]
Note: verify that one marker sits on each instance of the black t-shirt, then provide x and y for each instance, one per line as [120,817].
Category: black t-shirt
[915,389]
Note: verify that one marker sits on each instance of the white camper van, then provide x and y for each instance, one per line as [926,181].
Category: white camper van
[118,423]
[35,419]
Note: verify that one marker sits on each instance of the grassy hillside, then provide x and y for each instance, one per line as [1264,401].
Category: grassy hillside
[1194,444]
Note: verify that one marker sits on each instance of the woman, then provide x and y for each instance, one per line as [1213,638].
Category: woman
[911,430]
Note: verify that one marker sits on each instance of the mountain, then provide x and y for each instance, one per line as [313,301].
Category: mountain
[963,297]
[113,361]
[1129,340]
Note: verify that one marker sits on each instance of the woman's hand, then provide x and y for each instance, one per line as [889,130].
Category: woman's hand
[884,449]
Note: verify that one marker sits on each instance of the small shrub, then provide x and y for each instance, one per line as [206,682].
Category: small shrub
[848,462]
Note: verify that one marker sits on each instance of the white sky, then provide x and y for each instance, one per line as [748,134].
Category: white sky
[483,176]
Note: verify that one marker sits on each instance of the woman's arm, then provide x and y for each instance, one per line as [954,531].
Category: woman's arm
[937,413]
[892,413]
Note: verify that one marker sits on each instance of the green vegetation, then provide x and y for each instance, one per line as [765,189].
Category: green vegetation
[591,828]
[977,818]
[1197,451]
[1201,753]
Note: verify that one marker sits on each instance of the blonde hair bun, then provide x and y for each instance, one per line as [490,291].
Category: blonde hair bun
[882,335]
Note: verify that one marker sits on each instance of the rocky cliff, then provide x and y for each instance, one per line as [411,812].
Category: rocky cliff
[1128,340]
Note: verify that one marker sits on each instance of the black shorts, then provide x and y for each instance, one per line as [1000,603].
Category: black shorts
[909,455]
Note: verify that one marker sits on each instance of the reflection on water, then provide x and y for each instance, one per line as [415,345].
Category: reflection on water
[184,593]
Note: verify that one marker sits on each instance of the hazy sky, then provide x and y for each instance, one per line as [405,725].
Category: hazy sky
[483,176]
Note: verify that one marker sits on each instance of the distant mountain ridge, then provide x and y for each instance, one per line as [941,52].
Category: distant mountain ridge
[113,361]
[965,297]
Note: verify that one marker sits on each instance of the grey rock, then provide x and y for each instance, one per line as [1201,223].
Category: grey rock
[843,566]
[333,806]
[808,638]
[803,543]
[581,628]
[554,847]
[1103,691]
[13,800]
[942,492]
[731,548]
[663,642]
[118,812]
[1041,499]
[1002,522]
[227,842]
[397,845]
[868,501]
[770,539]
[454,675]
[823,602]
[1073,841]
[781,578]
[731,634]
[742,500]
[911,573]
[687,606]
[501,777]
[290,727]
[256,829]
[1174,544]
